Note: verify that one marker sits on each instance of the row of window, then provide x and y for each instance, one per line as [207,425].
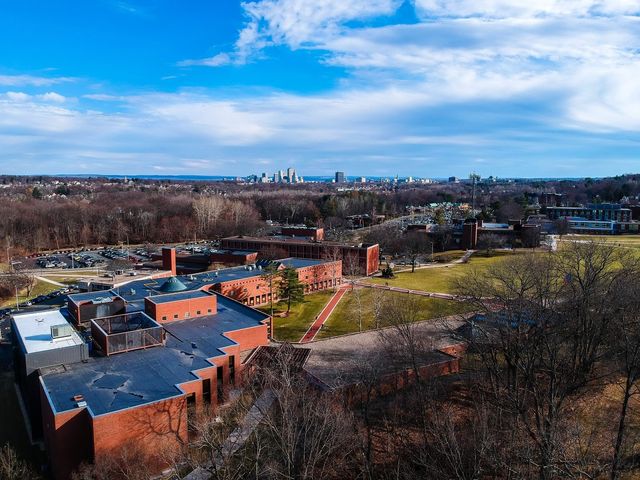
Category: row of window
[309,287]
[176,316]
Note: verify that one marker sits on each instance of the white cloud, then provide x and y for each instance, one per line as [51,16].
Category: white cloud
[296,23]
[460,83]
[30,80]
[521,8]
[216,61]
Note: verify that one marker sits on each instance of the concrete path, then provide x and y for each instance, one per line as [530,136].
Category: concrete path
[457,261]
[324,314]
[446,296]
[52,282]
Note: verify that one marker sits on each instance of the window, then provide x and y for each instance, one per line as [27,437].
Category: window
[191,412]
[175,315]
[232,369]
[208,310]
[187,314]
[198,312]
[164,318]
[220,384]
[206,390]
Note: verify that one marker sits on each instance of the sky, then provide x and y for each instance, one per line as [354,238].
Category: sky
[428,88]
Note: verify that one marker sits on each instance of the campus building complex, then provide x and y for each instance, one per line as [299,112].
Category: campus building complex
[515,234]
[362,258]
[130,367]
[604,218]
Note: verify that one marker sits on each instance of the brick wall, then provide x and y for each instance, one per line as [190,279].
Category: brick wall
[155,431]
[180,309]
[255,291]
[67,438]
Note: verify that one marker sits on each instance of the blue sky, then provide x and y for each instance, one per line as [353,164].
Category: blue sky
[427,88]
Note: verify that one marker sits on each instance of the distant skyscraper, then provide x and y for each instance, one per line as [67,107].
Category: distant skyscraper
[339,177]
[277,178]
[291,173]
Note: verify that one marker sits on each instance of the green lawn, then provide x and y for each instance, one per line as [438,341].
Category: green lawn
[65,280]
[345,319]
[301,316]
[631,241]
[439,279]
[40,288]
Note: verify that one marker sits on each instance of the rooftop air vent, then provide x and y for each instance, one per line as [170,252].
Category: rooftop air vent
[63,330]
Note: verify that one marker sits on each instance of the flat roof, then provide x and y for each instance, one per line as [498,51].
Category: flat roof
[300,240]
[137,290]
[135,378]
[233,252]
[340,361]
[175,297]
[34,330]
[90,296]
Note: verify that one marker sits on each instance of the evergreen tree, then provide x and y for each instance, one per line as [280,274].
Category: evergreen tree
[290,287]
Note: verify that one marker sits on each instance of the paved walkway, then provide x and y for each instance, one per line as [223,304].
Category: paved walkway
[324,314]
[457,261]
[52,282]
[446,296]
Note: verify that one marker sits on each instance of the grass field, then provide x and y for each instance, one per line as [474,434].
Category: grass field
[293,327]
[65,280]
[439,279]
[41,288]
[345,319]
[630,241]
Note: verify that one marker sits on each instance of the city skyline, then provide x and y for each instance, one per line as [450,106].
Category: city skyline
[379,88]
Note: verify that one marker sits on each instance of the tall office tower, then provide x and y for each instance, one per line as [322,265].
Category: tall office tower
[291,172]
[282,175]
[339,177]
[277,178]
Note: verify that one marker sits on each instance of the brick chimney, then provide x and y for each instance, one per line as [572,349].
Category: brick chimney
[169,260]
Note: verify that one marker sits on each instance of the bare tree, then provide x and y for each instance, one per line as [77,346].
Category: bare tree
[13,467]
[625,345]
[549,316]
[308,434]
[333,255]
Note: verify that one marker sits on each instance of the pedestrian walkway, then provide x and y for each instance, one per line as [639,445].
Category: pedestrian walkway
[52,282]
[324,315]
[445,296]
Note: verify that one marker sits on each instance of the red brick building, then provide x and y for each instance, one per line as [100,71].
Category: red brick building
[132,392]
[312,233]
[162,350]
[362,258]
[251,288]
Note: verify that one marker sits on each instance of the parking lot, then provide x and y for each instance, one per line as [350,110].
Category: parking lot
[102,257]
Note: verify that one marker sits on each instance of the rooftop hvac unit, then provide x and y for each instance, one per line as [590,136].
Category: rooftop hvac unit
[63,330]
[100,300]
